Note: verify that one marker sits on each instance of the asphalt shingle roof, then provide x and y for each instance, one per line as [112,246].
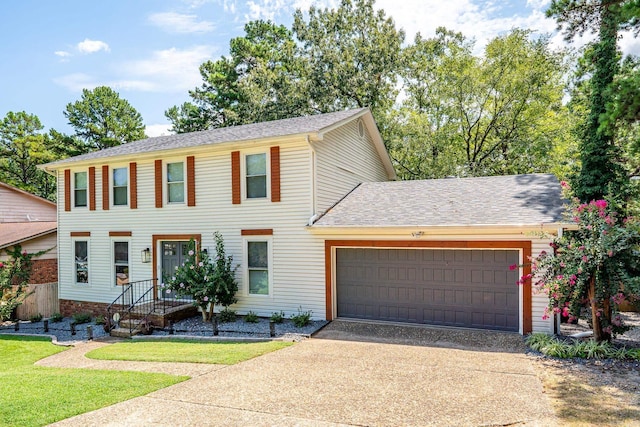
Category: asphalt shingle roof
[500,201]
[12,233]
[271,129]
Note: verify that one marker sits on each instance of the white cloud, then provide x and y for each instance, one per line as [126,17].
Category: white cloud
[166,71]
[265,9]
[157,130]
[92,46]
[62,53]
[171,70]
[172,22]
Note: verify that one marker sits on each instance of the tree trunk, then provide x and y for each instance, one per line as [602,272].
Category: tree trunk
[598,333]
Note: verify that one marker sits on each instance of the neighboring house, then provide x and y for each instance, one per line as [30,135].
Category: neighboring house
[276,192]
[29,221]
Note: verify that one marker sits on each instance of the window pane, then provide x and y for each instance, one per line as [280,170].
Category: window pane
[80,198]
[175,172]
[121,252]
[256,186]
[120,177]
[81,262]
[80,180]
[176,192]
[256,164]
[258,256]
[259,282]
[120,196]
[122,275]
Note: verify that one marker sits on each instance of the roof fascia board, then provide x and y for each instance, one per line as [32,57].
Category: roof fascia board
[550,228]
[27,238]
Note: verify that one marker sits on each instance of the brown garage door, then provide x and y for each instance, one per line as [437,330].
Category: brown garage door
[465,288]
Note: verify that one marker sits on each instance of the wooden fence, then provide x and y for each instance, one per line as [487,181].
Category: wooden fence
[44,301]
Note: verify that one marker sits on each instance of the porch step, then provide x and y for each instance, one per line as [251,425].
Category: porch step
[127,328]
[123,332]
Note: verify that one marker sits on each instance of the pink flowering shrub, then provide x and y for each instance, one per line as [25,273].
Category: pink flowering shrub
[208,282]
[594,267]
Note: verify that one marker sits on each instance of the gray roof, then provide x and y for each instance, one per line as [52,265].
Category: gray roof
[272,129]
[513,200]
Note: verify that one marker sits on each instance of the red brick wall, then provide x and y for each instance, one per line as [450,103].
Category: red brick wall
[44,271]
[69,307]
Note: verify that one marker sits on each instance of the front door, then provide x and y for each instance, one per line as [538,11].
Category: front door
[173,255]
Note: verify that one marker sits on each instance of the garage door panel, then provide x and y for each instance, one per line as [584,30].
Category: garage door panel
[470,288]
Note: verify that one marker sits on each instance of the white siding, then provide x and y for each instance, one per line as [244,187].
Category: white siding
[298,263]
[540,300]
[18,207]
[342,162]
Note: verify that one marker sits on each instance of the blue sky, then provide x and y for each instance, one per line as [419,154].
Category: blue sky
[149,50]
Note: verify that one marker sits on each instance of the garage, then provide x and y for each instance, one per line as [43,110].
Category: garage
[471,288]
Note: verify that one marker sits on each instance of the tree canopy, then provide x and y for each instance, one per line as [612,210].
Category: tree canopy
[102,119]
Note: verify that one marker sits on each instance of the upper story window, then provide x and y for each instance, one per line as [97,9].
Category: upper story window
[81,263]
[175,182]
[256,175]
[120,187]
[80,189]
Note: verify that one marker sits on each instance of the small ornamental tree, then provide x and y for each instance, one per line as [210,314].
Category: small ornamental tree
[208,282]
[594,267]
[14,277]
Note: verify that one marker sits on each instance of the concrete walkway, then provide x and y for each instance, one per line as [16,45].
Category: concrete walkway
[326,381]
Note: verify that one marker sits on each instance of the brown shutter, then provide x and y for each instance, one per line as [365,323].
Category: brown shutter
[158,178]
[67,190]
[92,188]
[191,181]
[235,177]
[133,184]
[105,187]
[275,174]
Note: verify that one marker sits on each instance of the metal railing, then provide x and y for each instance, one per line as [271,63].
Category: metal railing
[138,301]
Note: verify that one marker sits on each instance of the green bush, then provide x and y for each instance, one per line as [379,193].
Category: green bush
[56,317]
[100,320]
[251,317]
[80,318]
[35,318]
[227,315]
[552,346]
[302,318]
[277,317]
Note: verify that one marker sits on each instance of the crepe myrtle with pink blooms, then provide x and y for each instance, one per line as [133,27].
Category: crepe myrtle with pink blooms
[590,271]
[208,282]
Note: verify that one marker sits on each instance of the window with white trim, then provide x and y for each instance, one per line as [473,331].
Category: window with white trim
[256,175]
[258,267]
[81,261]
[120,186]
[121,262]
[175,182]
[80,189]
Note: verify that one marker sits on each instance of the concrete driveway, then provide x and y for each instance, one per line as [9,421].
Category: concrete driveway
[354,374]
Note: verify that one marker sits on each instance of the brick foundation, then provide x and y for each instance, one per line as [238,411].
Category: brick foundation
[44,271]
[70,307]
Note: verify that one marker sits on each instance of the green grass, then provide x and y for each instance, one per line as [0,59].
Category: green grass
[224,353]
[35,396]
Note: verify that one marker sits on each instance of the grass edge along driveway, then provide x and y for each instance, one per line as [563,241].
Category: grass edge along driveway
[221,353]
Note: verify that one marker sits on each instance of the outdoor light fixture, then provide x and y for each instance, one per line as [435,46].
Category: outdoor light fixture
[146,255]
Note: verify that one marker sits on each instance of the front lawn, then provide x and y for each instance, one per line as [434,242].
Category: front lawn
[223,353]
[34,396]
